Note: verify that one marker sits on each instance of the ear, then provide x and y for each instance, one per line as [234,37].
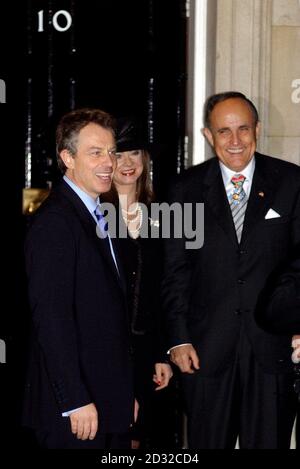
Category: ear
[67,158]
[257,129]
[208,135]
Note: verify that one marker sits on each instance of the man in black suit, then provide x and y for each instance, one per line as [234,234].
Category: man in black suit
[278,312]
[79,391]
[237,378]
[278,309]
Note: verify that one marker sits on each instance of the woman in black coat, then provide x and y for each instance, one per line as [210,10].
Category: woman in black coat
[142,259]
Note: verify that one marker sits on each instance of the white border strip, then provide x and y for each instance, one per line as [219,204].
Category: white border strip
[198,69]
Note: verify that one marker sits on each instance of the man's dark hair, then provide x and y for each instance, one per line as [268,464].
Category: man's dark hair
[215,99]
[72,123]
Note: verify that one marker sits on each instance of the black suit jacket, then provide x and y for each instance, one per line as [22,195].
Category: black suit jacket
[80,347]
[210,292]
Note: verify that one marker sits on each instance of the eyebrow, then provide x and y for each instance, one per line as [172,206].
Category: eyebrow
[102,148]
[228,128]
[223,128]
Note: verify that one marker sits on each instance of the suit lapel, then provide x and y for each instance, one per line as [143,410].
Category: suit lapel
[262,194]
[89,225]
[104,247]
[215,197]
[121,274]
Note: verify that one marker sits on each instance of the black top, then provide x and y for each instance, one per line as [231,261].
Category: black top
[142,262]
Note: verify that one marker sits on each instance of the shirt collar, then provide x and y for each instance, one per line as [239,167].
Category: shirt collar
[248,171]
[88,201]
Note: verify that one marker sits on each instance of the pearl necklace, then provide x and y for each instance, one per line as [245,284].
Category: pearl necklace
[137,211]
[128,212]
[138,219]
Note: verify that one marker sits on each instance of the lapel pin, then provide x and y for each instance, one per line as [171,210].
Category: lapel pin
[261,194]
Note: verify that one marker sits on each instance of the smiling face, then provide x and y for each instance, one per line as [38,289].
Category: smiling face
[92,167]
[129,167]
[233,133]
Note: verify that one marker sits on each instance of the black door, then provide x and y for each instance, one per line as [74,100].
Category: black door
[124,56]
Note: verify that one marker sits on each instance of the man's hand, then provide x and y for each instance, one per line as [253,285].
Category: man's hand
[186,358]
[84,422]
[296,347]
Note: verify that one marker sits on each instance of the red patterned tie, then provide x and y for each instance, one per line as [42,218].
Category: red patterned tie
[238,203]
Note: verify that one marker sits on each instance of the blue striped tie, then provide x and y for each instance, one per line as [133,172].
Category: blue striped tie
[102,223]
[102,232]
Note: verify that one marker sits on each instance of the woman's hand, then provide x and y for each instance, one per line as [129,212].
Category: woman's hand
[162,376]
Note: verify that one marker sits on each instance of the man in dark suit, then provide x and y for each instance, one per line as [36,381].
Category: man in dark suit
[79,389]
[278,312]
[237,378]
[278,309]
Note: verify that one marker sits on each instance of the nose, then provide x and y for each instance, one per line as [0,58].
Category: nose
[127,161]
[107,162]
[235,138]
[110,159]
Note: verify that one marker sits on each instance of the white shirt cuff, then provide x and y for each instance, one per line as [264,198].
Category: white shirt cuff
[69,412]
[176,346]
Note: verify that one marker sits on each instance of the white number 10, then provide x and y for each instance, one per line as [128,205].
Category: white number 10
[56,26]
